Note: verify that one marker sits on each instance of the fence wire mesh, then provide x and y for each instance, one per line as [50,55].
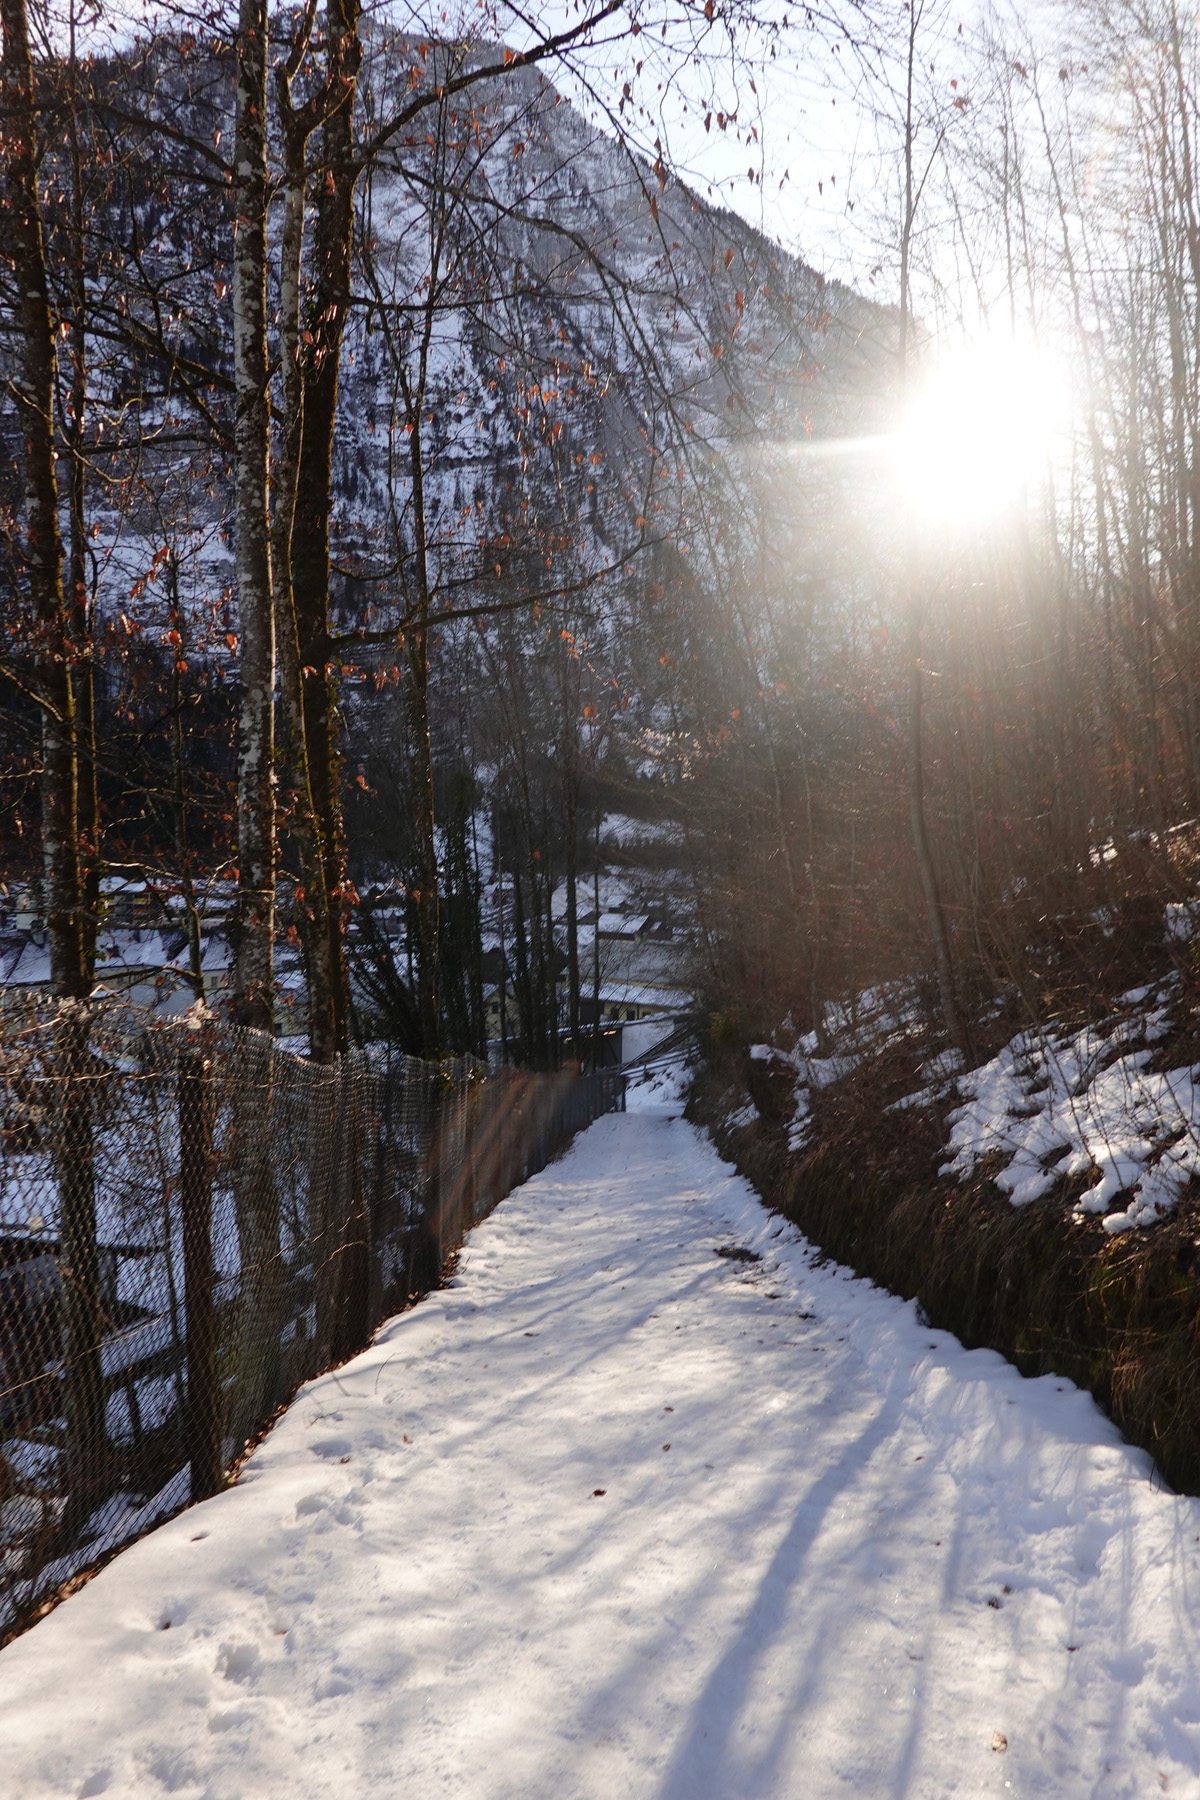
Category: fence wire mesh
[193,1221]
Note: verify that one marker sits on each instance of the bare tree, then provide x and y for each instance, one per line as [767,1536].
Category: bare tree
[255,1002]
[42,569]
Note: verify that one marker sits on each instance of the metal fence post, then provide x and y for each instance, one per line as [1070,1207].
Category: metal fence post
[426,1265]
[352,1251]
[202,1425]
[88,1467]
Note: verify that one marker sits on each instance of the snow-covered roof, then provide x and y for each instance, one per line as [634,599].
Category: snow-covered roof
[632,994]
[615,924]
[30,968]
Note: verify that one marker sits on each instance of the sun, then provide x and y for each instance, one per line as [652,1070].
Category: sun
[977,431]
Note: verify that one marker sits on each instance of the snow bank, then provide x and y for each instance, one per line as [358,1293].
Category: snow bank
[1053,1103]
[1057,1103]
[880,1018]
[630,833]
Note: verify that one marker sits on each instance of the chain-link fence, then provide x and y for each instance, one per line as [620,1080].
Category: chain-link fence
[193,1221]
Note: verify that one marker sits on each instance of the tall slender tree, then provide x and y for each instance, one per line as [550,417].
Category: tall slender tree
[41,567]
[255,987]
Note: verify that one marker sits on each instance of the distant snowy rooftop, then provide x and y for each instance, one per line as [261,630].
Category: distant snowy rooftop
[623,925]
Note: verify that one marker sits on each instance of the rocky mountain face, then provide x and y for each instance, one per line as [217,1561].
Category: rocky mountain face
[598,339]
[562,375]
[572,334]
[605,358]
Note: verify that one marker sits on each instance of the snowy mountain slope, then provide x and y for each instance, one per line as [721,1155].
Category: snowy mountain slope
[603,315]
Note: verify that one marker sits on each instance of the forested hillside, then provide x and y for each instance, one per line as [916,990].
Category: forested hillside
[575,497]
[515,428]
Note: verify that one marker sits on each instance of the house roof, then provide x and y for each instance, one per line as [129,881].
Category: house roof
[615,924]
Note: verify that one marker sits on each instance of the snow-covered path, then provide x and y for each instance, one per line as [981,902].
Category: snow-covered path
[617,1518]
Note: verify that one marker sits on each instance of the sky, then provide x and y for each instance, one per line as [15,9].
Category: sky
[812,155]
[794,125]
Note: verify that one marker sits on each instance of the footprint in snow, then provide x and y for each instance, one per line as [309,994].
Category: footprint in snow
[332,1449]
[239,1662]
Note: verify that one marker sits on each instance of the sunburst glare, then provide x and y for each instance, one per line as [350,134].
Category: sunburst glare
[978,429]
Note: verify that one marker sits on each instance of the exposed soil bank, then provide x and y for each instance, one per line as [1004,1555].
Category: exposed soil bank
[1119,1315]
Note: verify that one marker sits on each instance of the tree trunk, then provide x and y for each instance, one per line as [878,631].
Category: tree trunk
[41,552]
[521,970]
[920,837]
[424,817]
[257,1199]
[41,560]
[202,1418]
[329,1027]
[183,852]
[499,862]
[597,1032]
[298,125]
[571,858]
[916,756]
[255,928]
[552,1043]
[79,624]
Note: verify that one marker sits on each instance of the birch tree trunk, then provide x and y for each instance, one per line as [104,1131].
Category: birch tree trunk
[79,623]
[572,917]
[424,818]
[183,852]
[254,1000]
[298,125]
[257,1199]
[597,1033]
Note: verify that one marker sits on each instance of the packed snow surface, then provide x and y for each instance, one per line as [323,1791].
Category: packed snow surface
[617,1516]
